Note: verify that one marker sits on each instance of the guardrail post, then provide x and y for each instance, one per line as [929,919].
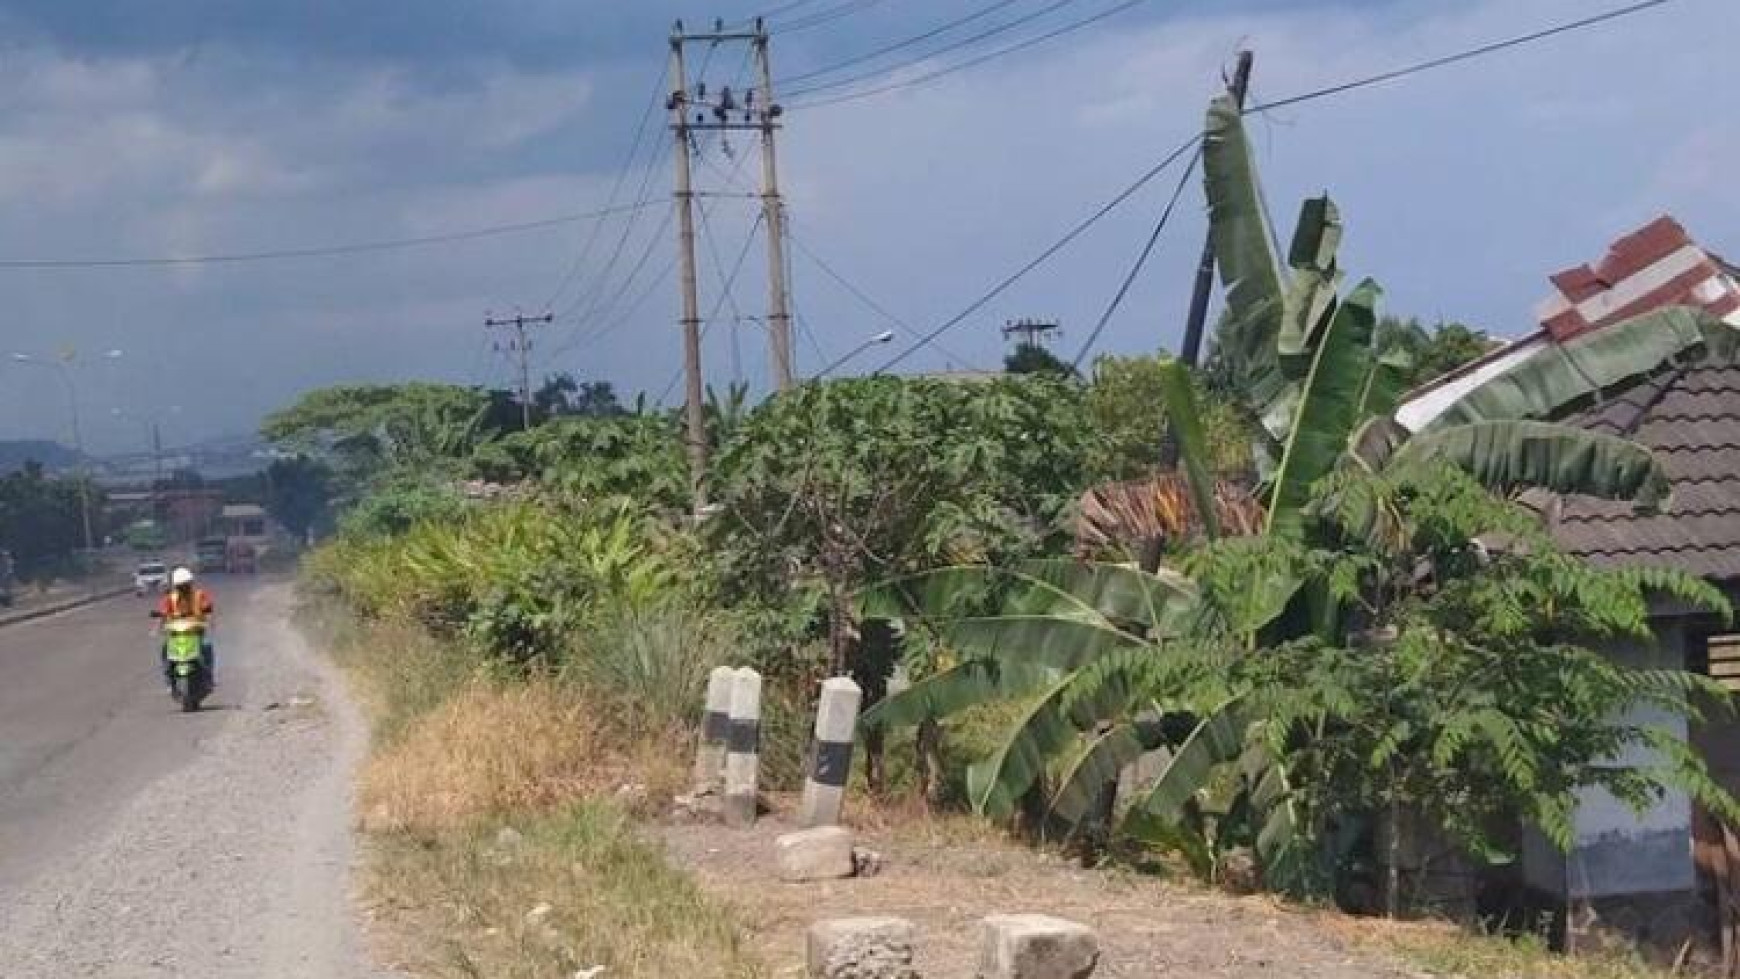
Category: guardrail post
[742,749]
[715,725]
[831,753]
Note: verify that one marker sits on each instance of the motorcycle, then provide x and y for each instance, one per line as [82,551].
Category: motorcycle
[183,643]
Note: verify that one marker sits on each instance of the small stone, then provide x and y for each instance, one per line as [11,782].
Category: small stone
[538,914]
[509,838]
[865,862]
[861,948]
[592,973]
[1036,946]
[823,853]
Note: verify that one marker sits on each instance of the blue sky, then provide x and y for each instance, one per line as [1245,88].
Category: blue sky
[206,126]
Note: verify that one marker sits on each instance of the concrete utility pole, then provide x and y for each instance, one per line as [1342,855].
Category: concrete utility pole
[773,214]
[723,111]
[520,344]
[1198,315]
[691,322]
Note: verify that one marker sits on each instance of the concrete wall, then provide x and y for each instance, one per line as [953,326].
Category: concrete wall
[1618,851]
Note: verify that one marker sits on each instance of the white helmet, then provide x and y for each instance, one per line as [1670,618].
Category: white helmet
[180,577]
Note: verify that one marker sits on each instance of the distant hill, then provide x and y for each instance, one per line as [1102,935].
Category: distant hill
[53,456]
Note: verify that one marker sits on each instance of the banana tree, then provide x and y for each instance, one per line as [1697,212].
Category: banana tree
[1317,372]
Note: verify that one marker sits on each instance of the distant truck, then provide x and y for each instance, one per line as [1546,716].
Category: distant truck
[242,557]
[211,554]
[146,535]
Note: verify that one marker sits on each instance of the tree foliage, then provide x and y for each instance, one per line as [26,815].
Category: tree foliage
[41,522]
[832,485]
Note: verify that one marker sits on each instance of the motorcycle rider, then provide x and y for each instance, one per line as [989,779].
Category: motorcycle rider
[186,600]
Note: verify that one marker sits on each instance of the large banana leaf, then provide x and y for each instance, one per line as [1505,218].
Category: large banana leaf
[1044,731]
[1309,299]
[1042,640]
[1561,375]
[1101,759]
[1248,266]
[1218,739]
[1095,593]
[952,690]
[1508,455]
[1163,602]
[1185,416]
[1329,412]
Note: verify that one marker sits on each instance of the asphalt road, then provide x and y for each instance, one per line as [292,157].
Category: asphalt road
[139,841]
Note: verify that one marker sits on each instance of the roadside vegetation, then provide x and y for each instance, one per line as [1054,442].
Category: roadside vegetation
[1340,641]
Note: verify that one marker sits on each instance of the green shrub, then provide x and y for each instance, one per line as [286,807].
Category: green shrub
[652,663]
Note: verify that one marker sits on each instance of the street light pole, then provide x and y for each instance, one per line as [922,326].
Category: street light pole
[59,366]
[880,338]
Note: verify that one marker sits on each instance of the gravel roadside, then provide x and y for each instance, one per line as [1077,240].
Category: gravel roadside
[236,865]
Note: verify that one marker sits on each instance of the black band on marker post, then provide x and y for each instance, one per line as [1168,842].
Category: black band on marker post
[831,763]
[715,727]
[743,737]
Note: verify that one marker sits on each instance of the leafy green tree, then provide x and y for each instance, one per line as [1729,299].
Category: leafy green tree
[1126,401]
[832,485]
[1032,358]
[299,492]
[1470,688]
[41,520]
[596,456]
[1433,352]
[371,428]
[564,395]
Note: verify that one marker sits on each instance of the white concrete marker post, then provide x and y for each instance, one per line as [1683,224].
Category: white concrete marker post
[831,753]
[715,727]
[742,749]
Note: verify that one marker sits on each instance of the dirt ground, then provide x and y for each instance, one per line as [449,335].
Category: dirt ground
[945,876]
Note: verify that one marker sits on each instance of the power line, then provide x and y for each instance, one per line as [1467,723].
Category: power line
[1141,260]
[863,297]
[1290,100]
[726,295]
[985,34]
[899,45]
[316,251]
[640,131]
[928,77]
[1471,53]
[1044,256]
[846,9]
[591,301]
[602,312]
[775,12]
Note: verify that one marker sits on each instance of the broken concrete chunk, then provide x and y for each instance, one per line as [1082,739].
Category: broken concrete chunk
[823,853]
[861,948]
[1036,946]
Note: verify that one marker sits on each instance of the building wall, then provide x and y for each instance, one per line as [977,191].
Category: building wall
[1618,851]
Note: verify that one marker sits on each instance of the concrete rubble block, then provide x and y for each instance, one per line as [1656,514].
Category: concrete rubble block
[1036,946]
[861,948]
[823,853]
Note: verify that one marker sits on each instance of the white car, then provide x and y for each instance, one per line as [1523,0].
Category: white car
[150,578]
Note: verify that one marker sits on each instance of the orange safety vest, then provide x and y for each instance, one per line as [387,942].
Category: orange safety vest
[195,606]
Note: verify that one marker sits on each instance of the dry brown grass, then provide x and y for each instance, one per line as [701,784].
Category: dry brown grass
[1442,948]
[572,890]
[499,748]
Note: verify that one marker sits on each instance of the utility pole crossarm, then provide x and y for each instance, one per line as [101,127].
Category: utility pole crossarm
[520,344]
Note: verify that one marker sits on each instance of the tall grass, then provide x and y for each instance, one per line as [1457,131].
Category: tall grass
[651,664]
[573,890]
